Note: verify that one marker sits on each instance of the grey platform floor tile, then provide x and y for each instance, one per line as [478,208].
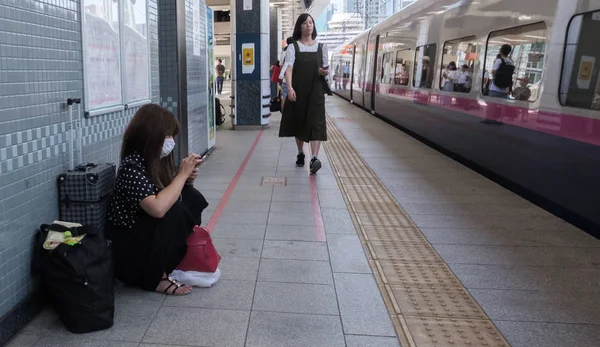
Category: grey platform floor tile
[513,237]
[246,206]
[24,340]
[224,230]
[528,334]
[459,199]
[291,218]
[292,233]
[159,345]
[337,221]
[269,329]
[132,317]
[524,256]
[295,298]
[291,196]
[371,341]
[54,341]
[225,294]
[491,222]
[539,306]
[198,327]
[292,207]
[473,209]
[295,271]
[235,268]
[361,306]
[298,181]
[249,196]
[528,277]
[241,248]
[250,217]
[297,250]
[335,200]
[347,254]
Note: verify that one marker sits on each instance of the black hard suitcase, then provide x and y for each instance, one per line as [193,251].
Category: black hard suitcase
[84,194]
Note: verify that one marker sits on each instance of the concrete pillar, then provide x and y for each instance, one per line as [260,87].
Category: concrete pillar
[250,62]
[273,43]
[182,46]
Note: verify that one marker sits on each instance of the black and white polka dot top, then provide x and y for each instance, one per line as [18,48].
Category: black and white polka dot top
[132,185]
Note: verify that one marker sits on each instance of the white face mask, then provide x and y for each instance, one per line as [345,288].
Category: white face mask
[168,146]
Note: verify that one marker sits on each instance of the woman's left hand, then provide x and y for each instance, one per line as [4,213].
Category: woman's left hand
[323,72]
[193,176]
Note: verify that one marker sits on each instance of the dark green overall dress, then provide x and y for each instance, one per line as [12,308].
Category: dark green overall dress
[304,118]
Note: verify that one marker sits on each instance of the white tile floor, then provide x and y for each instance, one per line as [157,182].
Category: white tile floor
[284,283]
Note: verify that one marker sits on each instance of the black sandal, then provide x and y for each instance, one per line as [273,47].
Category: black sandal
[173,283]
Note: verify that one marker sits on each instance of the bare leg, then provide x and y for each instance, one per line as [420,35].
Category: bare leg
[315,146]
[315,163]
[300,145]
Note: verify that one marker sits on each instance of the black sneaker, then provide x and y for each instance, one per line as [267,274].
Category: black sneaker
[300,160]
[315,165]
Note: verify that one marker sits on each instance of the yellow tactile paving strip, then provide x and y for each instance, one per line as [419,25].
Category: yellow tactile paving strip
[428,304]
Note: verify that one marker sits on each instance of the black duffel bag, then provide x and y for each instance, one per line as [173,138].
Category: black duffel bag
[78,280]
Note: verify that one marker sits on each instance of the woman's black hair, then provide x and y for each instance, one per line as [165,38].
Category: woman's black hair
[298,27]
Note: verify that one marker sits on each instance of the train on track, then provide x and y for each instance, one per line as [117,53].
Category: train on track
[542,139]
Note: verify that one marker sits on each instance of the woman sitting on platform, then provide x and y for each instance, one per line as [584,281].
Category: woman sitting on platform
[154,206]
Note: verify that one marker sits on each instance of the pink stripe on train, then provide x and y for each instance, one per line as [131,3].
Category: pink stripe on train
[559,124]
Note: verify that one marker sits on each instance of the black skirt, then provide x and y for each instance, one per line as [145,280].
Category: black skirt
[154,246]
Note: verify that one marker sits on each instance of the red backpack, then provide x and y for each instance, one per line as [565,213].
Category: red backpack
[201,256]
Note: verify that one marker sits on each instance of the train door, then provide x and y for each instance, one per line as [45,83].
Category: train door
[358,73]
[374,74]
[352,72]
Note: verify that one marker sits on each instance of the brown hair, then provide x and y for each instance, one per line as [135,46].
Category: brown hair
[145,135]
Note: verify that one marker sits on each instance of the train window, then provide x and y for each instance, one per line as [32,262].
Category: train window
[458,59]
[424,63]
[580,79]
[387,69]
[358,73]
[527,46]
[402,67]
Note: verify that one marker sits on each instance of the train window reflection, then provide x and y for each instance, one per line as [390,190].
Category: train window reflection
[458,59]
[402,67]
[424,63]
[523,49]
[357,74]
[580,80]
[387,69]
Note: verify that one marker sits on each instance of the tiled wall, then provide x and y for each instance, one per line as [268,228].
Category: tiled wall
[40,68]
[197,79]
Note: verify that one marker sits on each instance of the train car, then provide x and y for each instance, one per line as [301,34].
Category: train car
[542,140]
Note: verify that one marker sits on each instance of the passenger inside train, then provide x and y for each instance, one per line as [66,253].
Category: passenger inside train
[502,73]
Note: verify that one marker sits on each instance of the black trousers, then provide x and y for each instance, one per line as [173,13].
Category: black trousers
[154,246]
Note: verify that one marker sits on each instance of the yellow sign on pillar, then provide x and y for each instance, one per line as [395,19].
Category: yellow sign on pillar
[248,56]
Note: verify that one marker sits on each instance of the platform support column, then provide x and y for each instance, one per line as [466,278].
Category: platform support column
[250,62]
[274,43]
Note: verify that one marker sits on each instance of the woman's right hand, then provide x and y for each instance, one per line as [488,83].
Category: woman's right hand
[292,94]
[189,163]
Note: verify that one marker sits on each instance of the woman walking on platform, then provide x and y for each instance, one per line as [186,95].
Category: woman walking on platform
[305,67]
